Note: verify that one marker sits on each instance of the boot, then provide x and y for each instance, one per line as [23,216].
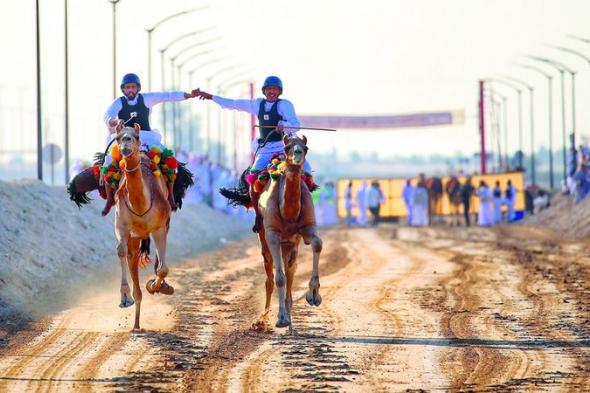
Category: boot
[110,200]
[258,221]
[171,200]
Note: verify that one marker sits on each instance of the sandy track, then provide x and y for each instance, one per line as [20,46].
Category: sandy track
[403,309]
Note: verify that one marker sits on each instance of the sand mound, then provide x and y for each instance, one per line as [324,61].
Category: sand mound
[49,247]
[567,219]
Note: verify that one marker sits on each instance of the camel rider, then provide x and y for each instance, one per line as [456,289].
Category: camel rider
[136,108]
[275,116]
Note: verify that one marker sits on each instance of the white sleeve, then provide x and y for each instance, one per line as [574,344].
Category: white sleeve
[151,99]
[290,121]
[250,106]
[112,113]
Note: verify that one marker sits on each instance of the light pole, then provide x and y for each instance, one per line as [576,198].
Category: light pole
[153,28]
[114,2]
[67,101]
[519,96]
[39,116]
[550,114]
[562,69]
[532,122]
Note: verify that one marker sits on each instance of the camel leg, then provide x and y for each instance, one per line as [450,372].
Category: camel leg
[158,285]
[313,296]
[133,260]
[273,238]
[122,234]
[290,257]
[266,255]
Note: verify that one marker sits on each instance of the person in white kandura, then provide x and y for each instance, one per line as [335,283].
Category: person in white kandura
[276,117]
[135,108]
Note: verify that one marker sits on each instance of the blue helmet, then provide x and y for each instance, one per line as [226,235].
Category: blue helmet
[130,78]
[273,81]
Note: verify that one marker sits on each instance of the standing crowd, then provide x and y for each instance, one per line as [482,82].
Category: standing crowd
[422,204]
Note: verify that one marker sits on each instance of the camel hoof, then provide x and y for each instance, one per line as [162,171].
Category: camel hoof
[166,289]
[150,286]
[137,330]
[282,322]
[126,302]
[313,297]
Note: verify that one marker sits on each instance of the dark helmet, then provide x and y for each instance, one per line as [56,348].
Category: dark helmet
[130,78]
[273,81]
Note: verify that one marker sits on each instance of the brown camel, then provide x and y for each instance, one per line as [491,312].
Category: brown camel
[142,209]
[287,212]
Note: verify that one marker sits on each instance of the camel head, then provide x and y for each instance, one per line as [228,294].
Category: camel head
[128,139]
[295,149]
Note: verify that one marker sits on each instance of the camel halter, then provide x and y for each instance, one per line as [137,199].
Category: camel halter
[151,194]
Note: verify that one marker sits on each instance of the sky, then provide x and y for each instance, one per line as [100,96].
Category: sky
[334,57]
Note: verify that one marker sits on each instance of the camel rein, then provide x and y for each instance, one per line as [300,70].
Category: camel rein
[151,194]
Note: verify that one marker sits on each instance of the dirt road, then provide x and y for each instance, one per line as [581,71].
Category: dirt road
[403,309]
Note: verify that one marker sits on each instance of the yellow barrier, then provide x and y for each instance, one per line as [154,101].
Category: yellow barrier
[394,204]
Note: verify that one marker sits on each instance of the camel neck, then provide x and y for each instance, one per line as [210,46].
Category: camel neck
[292,192]
[138,197]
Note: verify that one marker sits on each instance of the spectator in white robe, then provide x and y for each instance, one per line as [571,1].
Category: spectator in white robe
[420,205]
[361,202]
[485,215]
[408,196]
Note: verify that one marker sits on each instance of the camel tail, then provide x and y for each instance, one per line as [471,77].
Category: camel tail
[79,198]
[144,253]
[82,183]
[238,195]
[184,180]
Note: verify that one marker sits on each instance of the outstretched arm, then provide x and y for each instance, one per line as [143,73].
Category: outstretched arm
[250,106]
[151,99]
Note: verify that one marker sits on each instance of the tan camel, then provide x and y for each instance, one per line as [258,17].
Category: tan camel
[142,209]
[287,214]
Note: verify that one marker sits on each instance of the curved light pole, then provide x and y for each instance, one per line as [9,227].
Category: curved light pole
[519,96]
[532,122]
[163,66]
[207,107]
[562,69]
[226,88]
[575,37]
[221,88]
[587,60]
[504,100]
[153,28]
[209,84]
[550,112]
[495,133]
